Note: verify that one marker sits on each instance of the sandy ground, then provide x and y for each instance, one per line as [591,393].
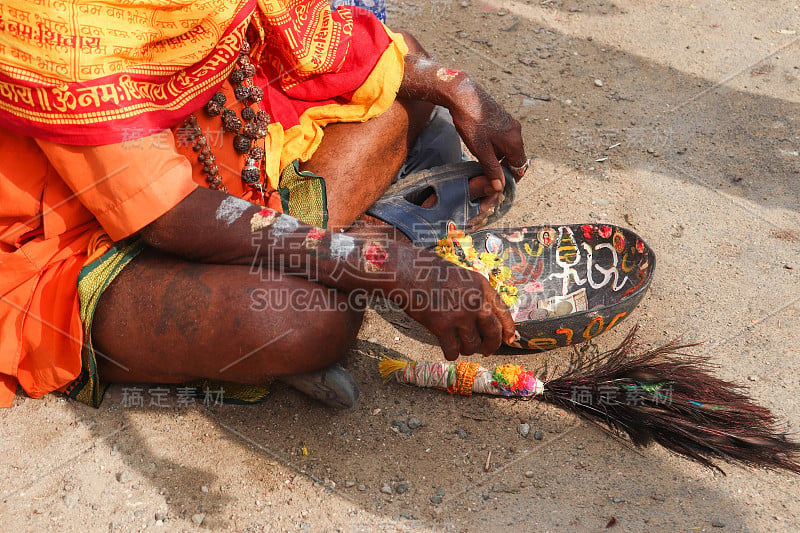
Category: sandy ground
[702,99]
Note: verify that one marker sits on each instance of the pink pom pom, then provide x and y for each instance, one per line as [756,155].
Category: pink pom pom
[526,381]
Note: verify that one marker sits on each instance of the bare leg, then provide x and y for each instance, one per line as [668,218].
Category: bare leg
[164,320]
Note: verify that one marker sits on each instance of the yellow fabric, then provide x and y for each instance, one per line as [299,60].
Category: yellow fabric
[376,95]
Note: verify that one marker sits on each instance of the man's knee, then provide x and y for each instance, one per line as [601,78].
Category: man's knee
[315,338]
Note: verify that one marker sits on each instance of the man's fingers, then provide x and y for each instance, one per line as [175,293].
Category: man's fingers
[491,333]
[513,154]
[449,344]
[470,340]
[492,170]
[506,321]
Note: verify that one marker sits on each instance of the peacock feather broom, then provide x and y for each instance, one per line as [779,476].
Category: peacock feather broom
[664,395]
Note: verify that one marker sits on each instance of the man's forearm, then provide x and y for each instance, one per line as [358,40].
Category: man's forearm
[426,79]
[212,227]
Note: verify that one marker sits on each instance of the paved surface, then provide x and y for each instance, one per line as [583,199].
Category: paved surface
[703,99]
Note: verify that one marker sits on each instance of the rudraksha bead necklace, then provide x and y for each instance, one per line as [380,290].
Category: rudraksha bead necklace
[249,127]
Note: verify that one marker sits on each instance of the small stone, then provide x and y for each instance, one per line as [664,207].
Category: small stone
[198,518]
[159,522]
[362,487]
[461,433]
[349,484]
[124,476]
[138,513]
[538,435]
[204,488]
[386,489]
[524,430]
[598,82]
[716,523]
[618,500]
[414,422]
[440,492]
[401,427]
[160,516]
[436,500]
[651,151]
[70,499]
[753,377]
[402,488]
[114,449]
[529,474]
[567,102]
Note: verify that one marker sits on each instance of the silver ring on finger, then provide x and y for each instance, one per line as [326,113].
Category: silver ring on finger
[520,171]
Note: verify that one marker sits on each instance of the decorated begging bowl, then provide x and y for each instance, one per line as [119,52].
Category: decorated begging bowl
[572,282]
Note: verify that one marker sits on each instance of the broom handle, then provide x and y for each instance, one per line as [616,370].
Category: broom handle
[458,378]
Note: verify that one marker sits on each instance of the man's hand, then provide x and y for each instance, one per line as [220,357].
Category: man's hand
[489,132]
[457,305]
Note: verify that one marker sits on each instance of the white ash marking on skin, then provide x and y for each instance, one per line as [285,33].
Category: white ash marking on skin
[231,209]
[423,62]
[342,245]
[285,224]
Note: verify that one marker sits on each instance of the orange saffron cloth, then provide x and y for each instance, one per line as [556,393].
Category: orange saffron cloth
[90,144]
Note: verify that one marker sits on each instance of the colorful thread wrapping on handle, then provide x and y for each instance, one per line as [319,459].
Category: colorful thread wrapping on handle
[464,378]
